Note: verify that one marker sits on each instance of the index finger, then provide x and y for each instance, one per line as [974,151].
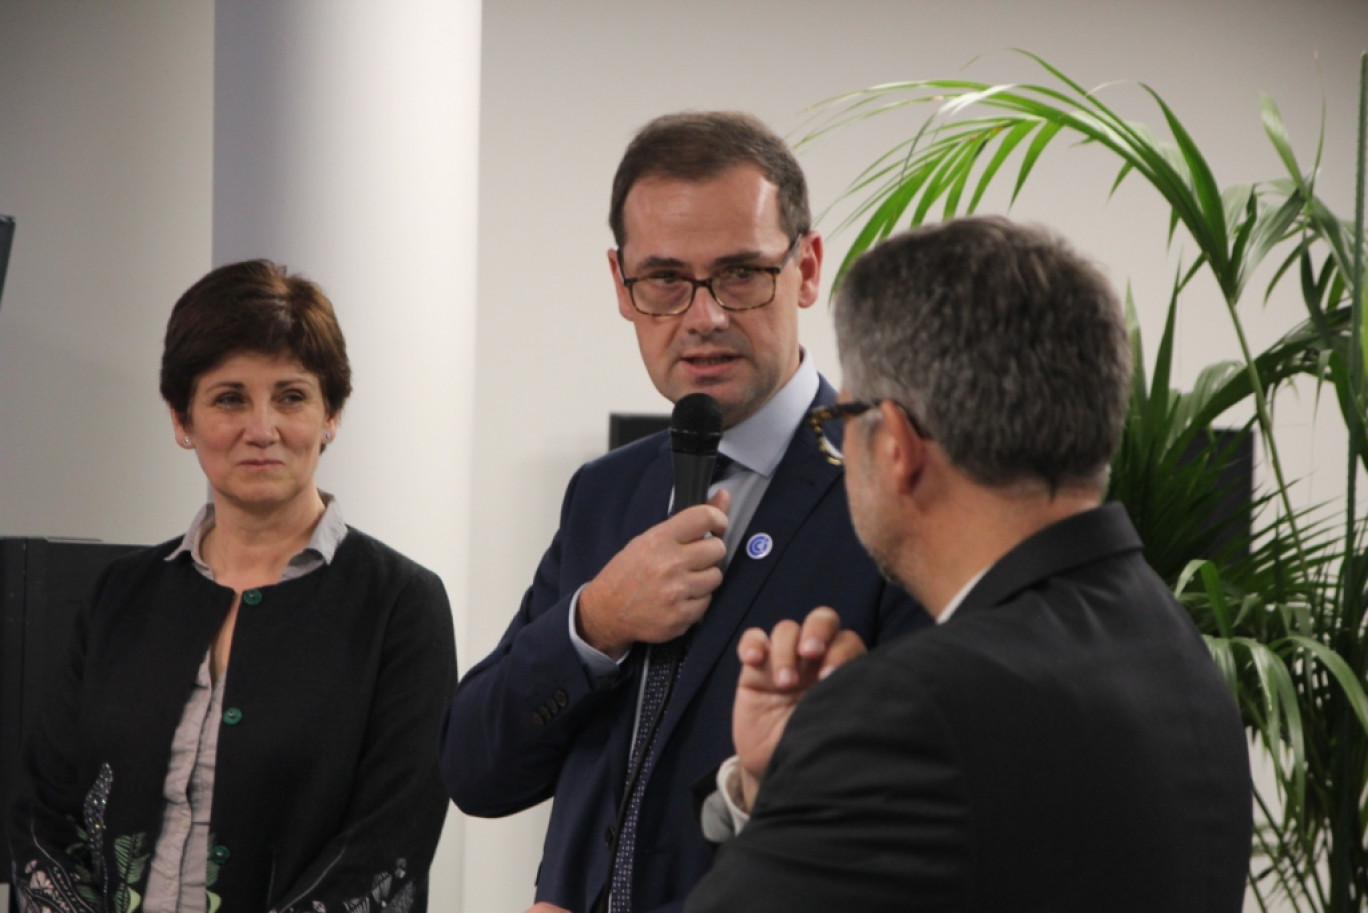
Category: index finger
[693,523]
[819,630]
[753,649]
[843,649]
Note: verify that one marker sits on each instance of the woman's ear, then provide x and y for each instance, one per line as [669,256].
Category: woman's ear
[180,424]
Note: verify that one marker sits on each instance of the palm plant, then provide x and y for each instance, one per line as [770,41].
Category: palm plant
[1283,608]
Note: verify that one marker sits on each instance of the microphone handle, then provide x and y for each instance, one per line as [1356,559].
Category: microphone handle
[692,476]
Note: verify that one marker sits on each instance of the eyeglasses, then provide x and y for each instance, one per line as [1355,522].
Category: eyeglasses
[736,288]
[820,416]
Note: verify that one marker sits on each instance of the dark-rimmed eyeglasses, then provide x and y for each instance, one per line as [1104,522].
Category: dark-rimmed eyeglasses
[744,287]
[819,417]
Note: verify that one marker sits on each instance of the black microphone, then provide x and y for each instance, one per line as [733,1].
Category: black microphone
[695,432]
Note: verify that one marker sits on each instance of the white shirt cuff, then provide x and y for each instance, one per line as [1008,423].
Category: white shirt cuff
[599,664]
[729,786]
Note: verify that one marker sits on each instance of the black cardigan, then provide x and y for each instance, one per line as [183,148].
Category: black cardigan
[326,793]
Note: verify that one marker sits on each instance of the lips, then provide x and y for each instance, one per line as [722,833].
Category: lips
[706,356]
[708,367]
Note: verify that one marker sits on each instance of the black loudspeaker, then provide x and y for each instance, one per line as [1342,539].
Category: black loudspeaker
[6,242]
[625,427]
[43,583]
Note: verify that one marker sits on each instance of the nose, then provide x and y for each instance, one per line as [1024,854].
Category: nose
[261,427]
[705,315]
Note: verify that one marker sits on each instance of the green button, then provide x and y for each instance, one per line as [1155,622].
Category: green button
[232,716]
[219,855]
[252,597]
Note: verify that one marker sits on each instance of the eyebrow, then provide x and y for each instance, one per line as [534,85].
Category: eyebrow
[659,262]
[239,385]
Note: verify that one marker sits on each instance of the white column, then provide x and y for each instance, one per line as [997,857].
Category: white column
[345,147]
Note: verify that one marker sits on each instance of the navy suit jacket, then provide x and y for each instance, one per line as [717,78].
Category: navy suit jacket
[529,723]
[1063,742]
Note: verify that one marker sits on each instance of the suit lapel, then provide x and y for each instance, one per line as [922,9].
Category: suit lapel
[650,502]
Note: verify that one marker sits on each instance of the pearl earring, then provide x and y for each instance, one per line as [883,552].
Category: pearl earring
[187,441]
[327,437]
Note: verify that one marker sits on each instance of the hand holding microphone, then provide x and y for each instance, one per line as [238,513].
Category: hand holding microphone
[662,581]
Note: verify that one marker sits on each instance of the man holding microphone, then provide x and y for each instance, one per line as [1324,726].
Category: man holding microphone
[612,688]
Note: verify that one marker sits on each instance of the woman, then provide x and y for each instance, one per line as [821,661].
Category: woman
[249,717]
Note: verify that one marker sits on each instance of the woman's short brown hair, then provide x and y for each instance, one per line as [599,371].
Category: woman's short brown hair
[253,306]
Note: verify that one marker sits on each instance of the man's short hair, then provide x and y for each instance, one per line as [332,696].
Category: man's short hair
[1008,347]
[698,145]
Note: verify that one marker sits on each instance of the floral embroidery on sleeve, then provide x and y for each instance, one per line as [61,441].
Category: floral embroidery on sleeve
[51,889]
[93,810]
[130,855]
[381,899]
[50,886]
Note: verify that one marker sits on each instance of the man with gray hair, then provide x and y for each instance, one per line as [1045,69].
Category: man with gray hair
[1061,740]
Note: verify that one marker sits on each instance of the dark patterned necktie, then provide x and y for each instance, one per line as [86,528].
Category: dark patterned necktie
[662,670]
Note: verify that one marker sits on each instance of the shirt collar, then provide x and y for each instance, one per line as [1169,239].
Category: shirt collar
[327,535]
[954,604]
[760,441]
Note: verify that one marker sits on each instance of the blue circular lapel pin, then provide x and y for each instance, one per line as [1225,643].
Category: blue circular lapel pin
[759,545]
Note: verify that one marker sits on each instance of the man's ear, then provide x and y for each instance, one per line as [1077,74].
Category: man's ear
[624,297]
[810,269]
[907,450]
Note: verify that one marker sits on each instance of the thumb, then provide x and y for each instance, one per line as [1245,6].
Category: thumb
[721,499]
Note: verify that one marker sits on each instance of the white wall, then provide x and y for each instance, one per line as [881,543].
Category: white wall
[106,112]
[105,146]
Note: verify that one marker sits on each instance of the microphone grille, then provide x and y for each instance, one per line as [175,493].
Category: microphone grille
[696,425]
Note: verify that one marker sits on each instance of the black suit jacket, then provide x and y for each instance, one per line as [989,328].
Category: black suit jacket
[1063,743]
[529,723]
